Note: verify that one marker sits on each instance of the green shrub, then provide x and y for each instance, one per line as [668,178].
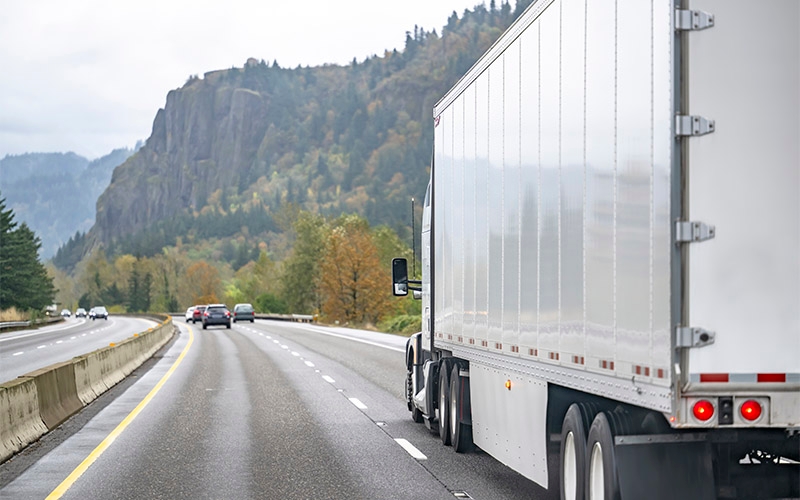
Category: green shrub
[404,324]
[269,303]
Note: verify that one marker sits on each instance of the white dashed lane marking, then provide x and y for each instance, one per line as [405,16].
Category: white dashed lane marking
[358,404]
[411,449]
[404,443]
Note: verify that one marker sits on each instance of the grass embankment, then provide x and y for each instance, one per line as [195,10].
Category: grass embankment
[12,314]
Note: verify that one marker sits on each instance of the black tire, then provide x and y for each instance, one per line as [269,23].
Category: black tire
[253,320]
[460,433]
[416,415]
[602,482]
[229,326]
[205,327]
[574,432]
[444,404]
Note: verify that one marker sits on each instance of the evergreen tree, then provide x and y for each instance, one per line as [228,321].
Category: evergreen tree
[134,293]
[24,282]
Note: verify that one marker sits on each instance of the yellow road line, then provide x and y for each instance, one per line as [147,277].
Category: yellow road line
[95,454]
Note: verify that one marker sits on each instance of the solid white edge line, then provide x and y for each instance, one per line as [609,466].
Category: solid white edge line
[411,449]
[354,339]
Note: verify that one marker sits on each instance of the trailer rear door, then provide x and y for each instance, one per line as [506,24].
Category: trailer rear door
[744,179]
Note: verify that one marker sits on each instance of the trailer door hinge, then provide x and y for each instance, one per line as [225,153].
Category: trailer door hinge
[693,337]
[688,20]
[690,125]
[690,232]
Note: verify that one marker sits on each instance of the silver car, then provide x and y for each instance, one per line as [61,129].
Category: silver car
[243,312]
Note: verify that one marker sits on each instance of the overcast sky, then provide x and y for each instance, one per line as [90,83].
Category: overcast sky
[89,75]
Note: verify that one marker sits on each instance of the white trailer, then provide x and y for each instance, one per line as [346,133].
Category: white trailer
[611,251]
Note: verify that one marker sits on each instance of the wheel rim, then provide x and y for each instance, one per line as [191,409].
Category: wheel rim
[453,413]
[442,410]
[596,474]
[570,468]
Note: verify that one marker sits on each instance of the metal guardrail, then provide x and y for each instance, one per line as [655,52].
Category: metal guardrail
[14,324]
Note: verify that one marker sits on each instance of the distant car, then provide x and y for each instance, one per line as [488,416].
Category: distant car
[189,314]
[244,312]
[66,313]
[91,313]
[197,314]
[80,312]
[100,312]
[216,314]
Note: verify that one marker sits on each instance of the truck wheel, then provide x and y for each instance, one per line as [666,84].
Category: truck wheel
[460,433]
[444,405]
[601,474]
[574,431]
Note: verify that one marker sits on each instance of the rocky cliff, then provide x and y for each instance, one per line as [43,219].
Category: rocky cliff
[330,139]
[204,139]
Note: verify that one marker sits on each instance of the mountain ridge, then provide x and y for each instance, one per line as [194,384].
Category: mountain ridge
[329,139]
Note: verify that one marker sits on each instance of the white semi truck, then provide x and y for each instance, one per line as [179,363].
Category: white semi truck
[611,251]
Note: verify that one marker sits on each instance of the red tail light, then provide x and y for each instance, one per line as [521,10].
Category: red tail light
[751,410]
[703,410]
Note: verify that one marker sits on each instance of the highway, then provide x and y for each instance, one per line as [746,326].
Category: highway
[263,410]
[24,351]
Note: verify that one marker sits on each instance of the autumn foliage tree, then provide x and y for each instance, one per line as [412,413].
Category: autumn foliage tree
[353,285]
[204,280]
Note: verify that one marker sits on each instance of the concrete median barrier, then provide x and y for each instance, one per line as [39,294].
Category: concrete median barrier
[35,403]
[20,420]
[58,395]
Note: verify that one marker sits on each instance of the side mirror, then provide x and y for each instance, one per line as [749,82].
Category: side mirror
[400,277]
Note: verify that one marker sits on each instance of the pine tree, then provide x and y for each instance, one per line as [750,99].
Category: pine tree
[24,282]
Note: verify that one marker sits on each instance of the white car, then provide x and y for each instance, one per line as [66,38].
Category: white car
[66,313]
[189,314]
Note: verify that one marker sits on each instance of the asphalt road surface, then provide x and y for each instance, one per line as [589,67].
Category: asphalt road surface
[263,410]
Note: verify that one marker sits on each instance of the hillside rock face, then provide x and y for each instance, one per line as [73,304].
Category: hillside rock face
[329,139]
[204,139]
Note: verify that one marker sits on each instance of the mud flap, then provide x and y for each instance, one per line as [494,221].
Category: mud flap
[660,467]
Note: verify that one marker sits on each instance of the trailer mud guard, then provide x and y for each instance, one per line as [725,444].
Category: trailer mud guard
[665,466]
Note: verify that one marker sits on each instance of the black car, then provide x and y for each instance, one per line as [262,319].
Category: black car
[216,314]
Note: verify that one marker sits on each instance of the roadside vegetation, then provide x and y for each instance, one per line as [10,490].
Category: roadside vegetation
[337,269]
